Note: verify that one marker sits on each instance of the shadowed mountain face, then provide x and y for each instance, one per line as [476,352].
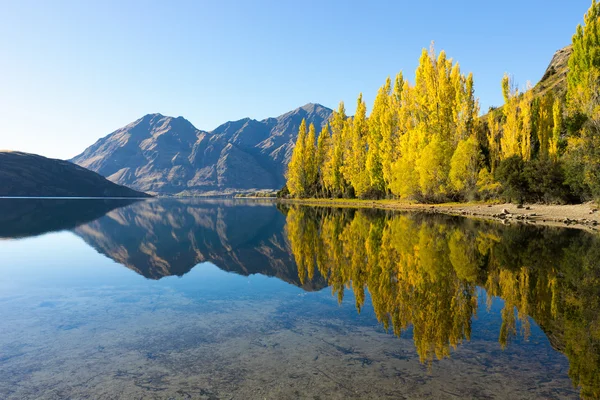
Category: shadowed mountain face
[169,237]
[23,174]
[166,155]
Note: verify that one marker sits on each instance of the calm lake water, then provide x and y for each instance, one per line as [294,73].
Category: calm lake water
[192,299]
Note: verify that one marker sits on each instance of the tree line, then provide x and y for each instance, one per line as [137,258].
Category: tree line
[427,141]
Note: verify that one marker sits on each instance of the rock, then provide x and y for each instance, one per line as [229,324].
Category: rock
[505,211]
[519,205]
[528,208]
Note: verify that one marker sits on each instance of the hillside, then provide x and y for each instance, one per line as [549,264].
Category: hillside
[555,76]
[30,175]
[165,155]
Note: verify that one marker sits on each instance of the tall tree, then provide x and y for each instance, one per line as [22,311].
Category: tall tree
[493,140]
[526,126]
[390,135]
[296,173]
[310,161]
[355,164]
[332,169]
[545,120]
[584,65]
[511,130]
[556,128]
[380,125]
[323,154]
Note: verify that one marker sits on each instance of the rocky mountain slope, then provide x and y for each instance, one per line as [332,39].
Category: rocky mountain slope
[24,174]
[555,76]
[166,155]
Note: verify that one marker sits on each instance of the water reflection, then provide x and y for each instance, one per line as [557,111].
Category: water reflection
[31,217]
[424,277]
[159,238]
[422,271]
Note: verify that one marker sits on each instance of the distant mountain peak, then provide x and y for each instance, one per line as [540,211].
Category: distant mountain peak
[149,117]
[310,107]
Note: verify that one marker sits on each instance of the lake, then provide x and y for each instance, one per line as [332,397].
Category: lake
[233,299]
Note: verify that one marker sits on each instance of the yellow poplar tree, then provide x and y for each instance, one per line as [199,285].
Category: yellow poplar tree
[556,128]
[493,140]
[296,174]
[545,121]
[354,168]
[526,123]
[379,126]
[310,161]
[323,154]
[391,133]
[334,161]
[509,142]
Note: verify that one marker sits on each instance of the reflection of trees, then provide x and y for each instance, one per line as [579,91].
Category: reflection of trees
[422,272]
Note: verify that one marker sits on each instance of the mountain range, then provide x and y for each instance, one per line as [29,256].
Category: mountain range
[163,155]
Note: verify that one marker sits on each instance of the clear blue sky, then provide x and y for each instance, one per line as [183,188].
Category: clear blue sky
[74,71]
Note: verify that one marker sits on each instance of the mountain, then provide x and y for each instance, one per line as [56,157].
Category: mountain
[555,77]
[23,174]
[165,155]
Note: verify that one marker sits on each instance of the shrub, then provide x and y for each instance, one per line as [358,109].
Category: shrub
[510,174]
[546,182]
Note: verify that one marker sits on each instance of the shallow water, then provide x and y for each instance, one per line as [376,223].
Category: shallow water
[242,300]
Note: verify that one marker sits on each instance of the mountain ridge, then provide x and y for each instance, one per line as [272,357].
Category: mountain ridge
[165,155]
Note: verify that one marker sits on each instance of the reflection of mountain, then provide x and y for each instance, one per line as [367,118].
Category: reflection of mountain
[159,238]
[31,217]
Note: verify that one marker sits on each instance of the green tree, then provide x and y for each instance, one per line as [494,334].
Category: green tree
[584,65]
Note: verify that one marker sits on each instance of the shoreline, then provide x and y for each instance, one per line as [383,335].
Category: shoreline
[580,216]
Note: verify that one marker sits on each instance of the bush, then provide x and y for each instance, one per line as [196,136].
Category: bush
[536,181]
[546,182]
[283,193]
[510,174]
